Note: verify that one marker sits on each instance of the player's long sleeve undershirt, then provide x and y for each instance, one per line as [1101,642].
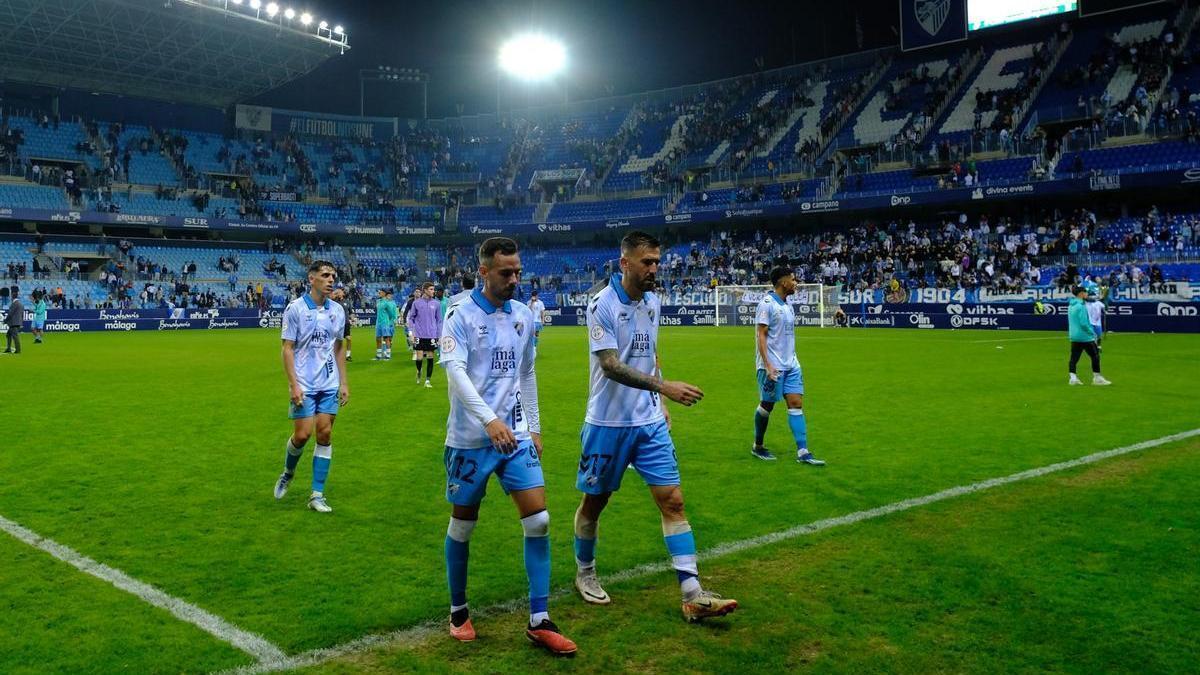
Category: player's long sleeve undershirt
[464,390]
[529,398]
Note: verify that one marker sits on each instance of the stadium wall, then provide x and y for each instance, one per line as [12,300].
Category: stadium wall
[1125,317]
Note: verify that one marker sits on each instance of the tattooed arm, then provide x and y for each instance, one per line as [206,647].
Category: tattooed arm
[622,373]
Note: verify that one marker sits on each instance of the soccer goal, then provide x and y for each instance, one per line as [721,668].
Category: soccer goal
[814,304]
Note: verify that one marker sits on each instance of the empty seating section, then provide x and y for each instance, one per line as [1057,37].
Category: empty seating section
[149,168]
[60,143]
[1135,158]
[202,151]
[483,215]
[15,252]
[625,208]
[24,196]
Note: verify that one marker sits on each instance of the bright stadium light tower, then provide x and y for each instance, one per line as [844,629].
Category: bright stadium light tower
[533,57]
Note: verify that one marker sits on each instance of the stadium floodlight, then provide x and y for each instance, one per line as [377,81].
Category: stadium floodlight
[324,25]
[237,2]
[533,57]
[255,4]
[272,9]
[338,30]
[289,13]
[306,18]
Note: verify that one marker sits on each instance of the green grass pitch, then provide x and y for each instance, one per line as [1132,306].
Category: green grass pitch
[156,453]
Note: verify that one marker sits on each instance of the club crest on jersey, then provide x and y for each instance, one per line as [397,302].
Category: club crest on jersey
[448,344]
[597,332]
[483,331]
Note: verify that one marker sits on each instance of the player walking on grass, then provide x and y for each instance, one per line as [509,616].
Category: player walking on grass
[1083,338]
[425,320]
[627,424]
[314,361]
[539,310]
[779,374]
[494,428]
[385,325]
[39,317]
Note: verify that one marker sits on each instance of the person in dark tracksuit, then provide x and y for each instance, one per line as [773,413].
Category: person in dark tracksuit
[1083,338]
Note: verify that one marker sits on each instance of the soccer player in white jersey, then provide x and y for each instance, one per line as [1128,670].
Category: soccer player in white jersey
[779,374]
[494,428]
[314,361]
[539,310]
[627,424]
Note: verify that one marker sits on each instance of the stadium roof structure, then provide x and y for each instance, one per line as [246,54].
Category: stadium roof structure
[184,51]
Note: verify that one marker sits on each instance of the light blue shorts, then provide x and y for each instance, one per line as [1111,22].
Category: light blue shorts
[383,330]
[608,450]
[314,403]
[39,324]
[790,381]
[467,471]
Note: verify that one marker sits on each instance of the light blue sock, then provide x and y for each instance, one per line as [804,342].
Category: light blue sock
[681,544]
[761,417]
[322,456]
[799,427]
[537,564]
[585,551]
[291,457]
[458,546]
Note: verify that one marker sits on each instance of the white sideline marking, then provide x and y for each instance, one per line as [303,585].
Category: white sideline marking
[252,644]
[411,637]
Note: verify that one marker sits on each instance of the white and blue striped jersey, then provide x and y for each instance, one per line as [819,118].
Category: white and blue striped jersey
[314,329]
[616,322]
[780,319]
[496,344]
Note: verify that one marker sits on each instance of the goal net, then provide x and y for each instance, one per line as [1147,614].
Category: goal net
[814,304]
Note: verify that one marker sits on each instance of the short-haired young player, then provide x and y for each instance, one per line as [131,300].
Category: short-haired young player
[425,321]
[627,424]
[779,374]
[494,428]
[539,309]
[314,361]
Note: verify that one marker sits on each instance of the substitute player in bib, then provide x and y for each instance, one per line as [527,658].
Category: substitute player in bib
[539,309]
[39,316]
[314,360]
[627,424]
[385,325]
[494,428]
[779,375]
[425,320]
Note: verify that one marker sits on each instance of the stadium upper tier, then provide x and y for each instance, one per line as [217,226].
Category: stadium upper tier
[885,123]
